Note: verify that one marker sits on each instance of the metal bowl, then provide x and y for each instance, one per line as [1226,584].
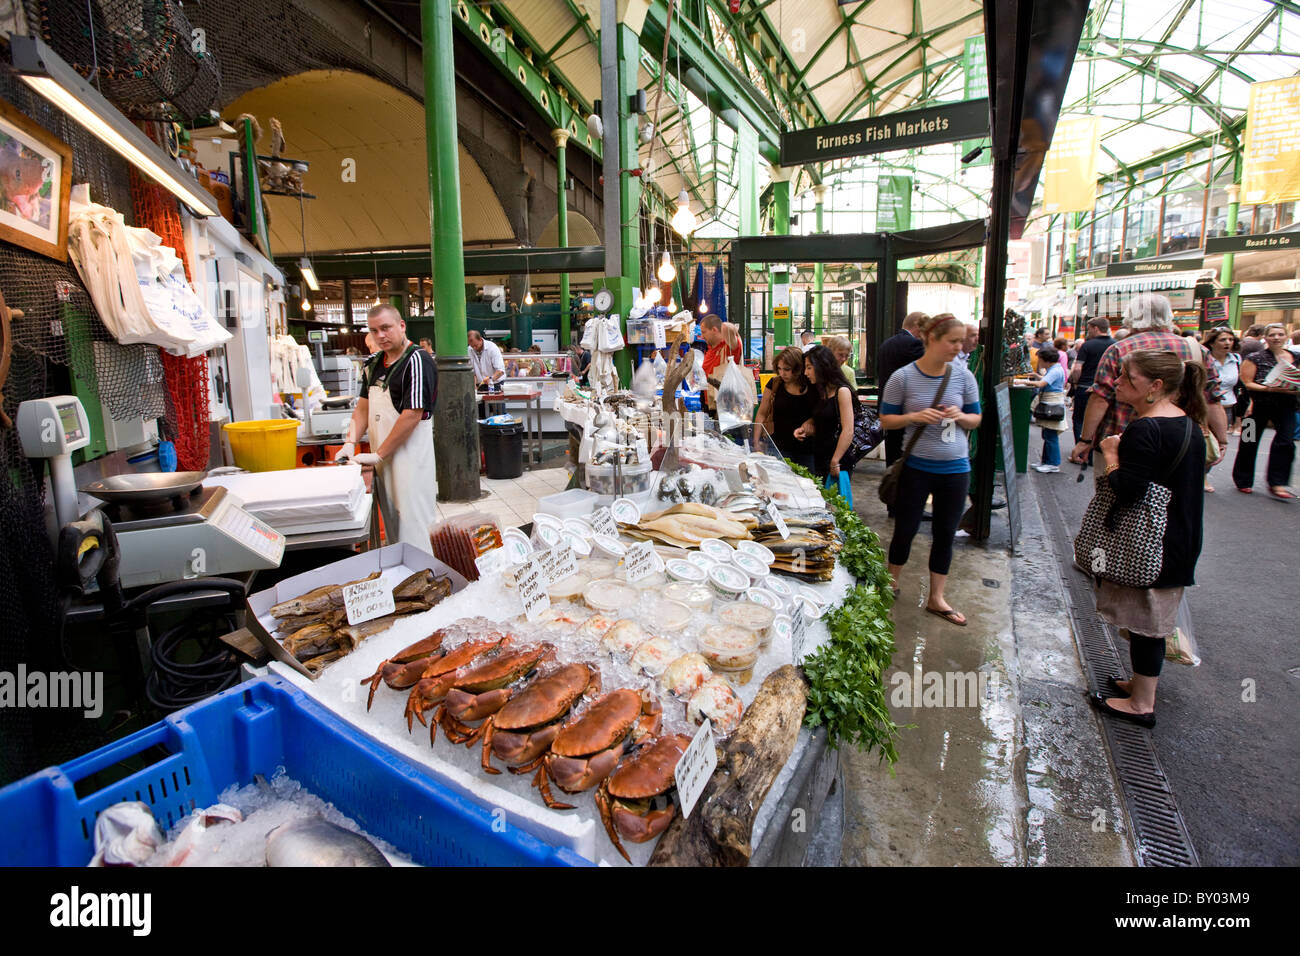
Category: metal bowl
[146,487]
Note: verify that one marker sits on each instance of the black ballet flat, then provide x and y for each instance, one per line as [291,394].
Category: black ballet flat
[1142,720]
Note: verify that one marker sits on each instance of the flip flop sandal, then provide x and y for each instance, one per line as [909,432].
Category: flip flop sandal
[1209,489]
[1247,491]
[949,615]
[1282,495]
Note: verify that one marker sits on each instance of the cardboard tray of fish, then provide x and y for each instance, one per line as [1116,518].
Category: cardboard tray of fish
[309,611]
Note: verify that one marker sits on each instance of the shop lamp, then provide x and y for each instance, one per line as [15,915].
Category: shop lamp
[42,70]
[308,274]
[672,306]
[306,305]
[528,297]
[683,219]
[653,295]
[704,307]
[666,271]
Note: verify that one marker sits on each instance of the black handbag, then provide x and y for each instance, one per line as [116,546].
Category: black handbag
[1049,413]
[888,490]
[1126,545]
[867,434]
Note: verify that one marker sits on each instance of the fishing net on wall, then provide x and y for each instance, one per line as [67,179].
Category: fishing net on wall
[141,52]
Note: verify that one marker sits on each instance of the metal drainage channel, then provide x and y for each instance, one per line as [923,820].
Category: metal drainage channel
[1162,836]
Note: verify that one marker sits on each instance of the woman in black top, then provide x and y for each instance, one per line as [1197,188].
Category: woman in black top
[788,403]
[831,425]
[1169,400]
[1269,403]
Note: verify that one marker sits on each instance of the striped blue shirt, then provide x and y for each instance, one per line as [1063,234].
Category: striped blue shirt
[941,449]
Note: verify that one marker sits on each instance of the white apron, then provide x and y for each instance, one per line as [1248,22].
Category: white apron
[407,485]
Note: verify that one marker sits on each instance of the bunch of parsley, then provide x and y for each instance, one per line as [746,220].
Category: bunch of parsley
[846,676]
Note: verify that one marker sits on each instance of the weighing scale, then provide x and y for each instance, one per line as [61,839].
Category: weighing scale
[168,527]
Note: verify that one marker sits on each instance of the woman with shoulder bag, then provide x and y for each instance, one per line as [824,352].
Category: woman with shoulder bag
[938,403]
[1162,445]
[1049,408]
[831,426]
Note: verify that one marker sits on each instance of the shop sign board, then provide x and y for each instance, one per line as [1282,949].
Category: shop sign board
[1270,166]
[1145,267]
[1216,311]
[1070,169]
[1002,393]
[893,203]
[943,123]
[1271,242]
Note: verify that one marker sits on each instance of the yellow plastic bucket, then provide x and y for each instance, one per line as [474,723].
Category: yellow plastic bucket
[270,445]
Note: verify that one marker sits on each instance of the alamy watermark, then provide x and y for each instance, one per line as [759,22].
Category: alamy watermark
[77,690]
[941,688]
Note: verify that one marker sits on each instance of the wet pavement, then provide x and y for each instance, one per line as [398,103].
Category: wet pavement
[1001,762]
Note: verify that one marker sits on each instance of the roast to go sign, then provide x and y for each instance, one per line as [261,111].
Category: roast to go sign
[1267,243]
[933,124]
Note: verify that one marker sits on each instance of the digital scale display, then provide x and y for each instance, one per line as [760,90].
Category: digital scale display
[71,423]
[317,335]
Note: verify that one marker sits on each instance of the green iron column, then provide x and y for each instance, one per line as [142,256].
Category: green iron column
[455,428]
[819,269]
[782,328]
[561,137]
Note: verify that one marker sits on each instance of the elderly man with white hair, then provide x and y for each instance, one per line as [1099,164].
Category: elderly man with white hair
[1150,323]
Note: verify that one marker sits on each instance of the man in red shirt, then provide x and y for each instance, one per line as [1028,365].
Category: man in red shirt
[723,341]
[1150,322]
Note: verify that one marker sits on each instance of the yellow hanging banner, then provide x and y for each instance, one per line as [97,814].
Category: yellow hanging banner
[1270,167]
[1070,169]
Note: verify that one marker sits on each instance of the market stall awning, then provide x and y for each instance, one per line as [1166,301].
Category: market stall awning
[1152,283]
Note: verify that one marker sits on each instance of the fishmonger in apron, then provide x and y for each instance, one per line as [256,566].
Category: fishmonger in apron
[407,485]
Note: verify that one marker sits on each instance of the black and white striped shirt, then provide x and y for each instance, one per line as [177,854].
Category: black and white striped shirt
[412,381]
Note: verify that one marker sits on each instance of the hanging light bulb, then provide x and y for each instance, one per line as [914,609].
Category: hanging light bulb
[653,295]
[683,219]
[306,305]
[528,297]
[666,271]
[704,307]
[672,306]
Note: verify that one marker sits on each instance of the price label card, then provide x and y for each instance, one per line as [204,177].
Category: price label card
[798,632]
[491,562]
[695,768]
[560,563]
[774,515]
[641,562]
[367,600]
[602,522]
[532,583]
[661,340]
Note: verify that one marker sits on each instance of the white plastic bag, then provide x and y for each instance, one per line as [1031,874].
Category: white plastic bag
[1180,646]
[660,367]
[696,378]
[611,338]
[644,382]
[736,398]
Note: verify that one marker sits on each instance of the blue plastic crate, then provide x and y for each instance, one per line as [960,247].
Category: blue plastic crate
[253,729]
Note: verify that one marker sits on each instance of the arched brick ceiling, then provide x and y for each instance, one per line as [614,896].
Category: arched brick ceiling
[329,116]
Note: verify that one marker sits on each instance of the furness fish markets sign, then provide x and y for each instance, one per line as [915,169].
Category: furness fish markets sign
[934,124]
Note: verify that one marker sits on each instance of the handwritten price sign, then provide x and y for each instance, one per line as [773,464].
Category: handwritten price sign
[641,562]
[602,522]
[774,515]
[695,768]
[367,600]
[533,582]
[798,632]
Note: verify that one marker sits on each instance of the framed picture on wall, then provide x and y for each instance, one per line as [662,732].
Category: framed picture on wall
[35,176]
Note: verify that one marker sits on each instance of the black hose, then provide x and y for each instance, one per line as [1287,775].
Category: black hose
[173,684]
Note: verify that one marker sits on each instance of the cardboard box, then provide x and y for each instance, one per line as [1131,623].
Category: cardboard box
[397,561]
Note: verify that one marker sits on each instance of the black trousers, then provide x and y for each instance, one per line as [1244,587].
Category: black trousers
[894,445]
[1146,654]
[1269,408]
[949,492]
[1080,407]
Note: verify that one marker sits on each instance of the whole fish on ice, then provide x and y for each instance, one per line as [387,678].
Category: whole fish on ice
[317,842]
